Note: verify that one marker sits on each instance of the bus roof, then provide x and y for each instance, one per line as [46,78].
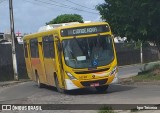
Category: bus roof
[57,29]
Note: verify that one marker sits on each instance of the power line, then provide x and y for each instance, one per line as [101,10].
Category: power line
[59,4]
[80,5]
[72,6]
[37,3]
[69,5]
[34,2]
[65,6]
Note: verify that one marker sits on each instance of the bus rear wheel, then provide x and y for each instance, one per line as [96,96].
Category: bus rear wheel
[60,90]
[102,88]
[39,84]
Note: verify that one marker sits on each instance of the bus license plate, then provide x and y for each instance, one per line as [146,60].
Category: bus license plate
[94,84]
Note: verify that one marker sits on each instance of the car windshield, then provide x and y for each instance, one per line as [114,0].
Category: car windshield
[88,52]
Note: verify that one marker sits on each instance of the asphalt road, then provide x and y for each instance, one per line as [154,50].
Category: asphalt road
[130,70]
[29,93]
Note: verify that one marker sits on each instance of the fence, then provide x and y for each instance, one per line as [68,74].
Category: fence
[125,54]
[129,54]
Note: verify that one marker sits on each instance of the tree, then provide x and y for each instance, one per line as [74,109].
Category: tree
[134,19]
[65,18]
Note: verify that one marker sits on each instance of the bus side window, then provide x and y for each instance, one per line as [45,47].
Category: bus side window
[48,47]
[34,48]
[25,50]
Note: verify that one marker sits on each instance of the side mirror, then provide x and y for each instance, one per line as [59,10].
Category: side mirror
[112,36]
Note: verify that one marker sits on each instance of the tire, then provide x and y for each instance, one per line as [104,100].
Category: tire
[39,84]
[60,90]
[102,89]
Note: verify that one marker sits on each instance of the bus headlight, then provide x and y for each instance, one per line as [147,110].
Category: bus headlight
[71,77]
[114,71]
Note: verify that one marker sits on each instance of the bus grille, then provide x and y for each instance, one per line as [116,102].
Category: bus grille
[88,83]
[92,71]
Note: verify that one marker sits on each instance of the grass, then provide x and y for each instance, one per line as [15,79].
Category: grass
[106,110]
[152,74]
[134,110]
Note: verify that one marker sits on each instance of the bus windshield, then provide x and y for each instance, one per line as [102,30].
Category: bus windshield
[88,52]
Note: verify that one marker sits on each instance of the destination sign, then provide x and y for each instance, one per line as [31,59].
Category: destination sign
[84,30]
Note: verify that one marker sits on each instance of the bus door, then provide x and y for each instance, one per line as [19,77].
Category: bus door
[28,60]
[59,63]
[49,58]
[37,60]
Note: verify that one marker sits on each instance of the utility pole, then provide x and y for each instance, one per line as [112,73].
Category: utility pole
[13,40]
[141,52]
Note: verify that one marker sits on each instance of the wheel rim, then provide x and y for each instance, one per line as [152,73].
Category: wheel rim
[57,86]
[38,82]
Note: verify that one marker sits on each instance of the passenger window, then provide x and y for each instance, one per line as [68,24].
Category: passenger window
[34,48]
[48,47]
[25,50]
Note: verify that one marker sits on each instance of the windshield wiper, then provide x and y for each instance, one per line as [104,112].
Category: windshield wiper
[80,46]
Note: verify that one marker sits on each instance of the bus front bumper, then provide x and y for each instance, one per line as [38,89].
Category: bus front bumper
[70,85]
[76,84]
[116,79]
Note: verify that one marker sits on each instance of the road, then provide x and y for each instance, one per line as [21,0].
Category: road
[29,93]
[130,70]
[31,88]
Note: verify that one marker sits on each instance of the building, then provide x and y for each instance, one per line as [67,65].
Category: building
[5,38]
[120,39]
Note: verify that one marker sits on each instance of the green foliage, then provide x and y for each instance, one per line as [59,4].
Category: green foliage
[152,74]
[65,18]
[134,110]
[135,19]
[106,109]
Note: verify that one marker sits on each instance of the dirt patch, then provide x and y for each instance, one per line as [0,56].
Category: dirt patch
[131,81]
[151,76]
[156,72]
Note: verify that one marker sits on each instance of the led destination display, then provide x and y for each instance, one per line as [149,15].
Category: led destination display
[84,30]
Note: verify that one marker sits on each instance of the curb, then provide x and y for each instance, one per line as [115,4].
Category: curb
[8,83]
[125,66]
[139,64]
[127,76]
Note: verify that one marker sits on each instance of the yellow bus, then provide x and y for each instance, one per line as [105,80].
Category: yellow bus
[72,56]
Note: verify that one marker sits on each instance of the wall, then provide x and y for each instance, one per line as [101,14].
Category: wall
[126,54]
[129,54]
[6,67]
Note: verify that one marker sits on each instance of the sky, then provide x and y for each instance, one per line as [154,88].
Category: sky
[30,15]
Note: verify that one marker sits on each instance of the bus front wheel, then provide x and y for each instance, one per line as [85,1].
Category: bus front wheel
[58,87]
[102,88]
